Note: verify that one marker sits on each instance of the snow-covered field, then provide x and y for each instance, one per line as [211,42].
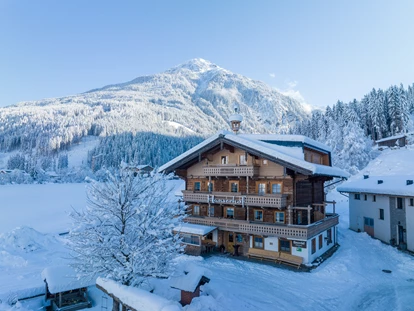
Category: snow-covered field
[352,279]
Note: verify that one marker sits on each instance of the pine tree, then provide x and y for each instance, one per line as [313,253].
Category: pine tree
[125,232]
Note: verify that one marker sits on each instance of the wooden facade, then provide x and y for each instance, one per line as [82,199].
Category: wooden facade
[257,202]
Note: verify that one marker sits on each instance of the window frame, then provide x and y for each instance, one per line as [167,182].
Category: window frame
[381,214]
[244,162]
[411,202]
[320,242]
[227,215]
[313,248]
[365,197]
[254,242]
[276,217]
[234,182]
[187,238]
[199,186]
[274,184]
[211,208]
[210,186]
[374,198]
[357,196]
[196,208]
[226,160]
[258,211]
[258,188]
[398,205]
[283,248]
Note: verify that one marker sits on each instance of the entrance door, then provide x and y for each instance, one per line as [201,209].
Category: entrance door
[400,235]
[369,226]
[230,242]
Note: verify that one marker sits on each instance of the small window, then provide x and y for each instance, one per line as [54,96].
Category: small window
[197,186]
[381,213]
[258,215]
[411,202]
[329,236]
[230,212]
[265,162]
[211,211]
[313,245]
[280,217]
[368,222]
[400,203]
[320,241]
[196,210]
[239,238]
[210,186]
[284,246]
[258,242]
[234,187]
[262,189]
[276,188]
[223,159]
[357,196]
[191,239]
[243,159]
[365,197]
[374,198]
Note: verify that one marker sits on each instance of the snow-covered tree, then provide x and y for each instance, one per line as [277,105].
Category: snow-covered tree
[126,231]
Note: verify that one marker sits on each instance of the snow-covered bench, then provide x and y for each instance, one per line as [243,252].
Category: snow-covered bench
[292,260]
[263,254]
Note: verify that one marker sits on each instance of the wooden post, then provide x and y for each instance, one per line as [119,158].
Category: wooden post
[124,308]
[60,300]
[333,203]
[289,215]
[309,214]
[115,306]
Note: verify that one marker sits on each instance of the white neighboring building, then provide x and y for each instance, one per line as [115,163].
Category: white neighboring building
[383,206]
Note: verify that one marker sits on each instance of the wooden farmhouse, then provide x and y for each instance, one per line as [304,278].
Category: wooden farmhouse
[263,195]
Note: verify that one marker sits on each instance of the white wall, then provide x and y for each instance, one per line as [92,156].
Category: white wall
[409,212]
[302,252]
[358,209]
[325,246]
[271,244]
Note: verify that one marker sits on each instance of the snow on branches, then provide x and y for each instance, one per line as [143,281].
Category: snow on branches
[125,232]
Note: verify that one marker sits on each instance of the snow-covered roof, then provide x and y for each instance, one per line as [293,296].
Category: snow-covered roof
[394,137]
[391,185]
[236,117]
[288,138]
[64,278]
[194,229]
[289,155]
[137,298]
[189,281]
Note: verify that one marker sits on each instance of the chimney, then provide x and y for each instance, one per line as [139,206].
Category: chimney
[366,176]
[380,181]
[409,182]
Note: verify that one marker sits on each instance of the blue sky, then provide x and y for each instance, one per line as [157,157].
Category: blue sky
[326,50]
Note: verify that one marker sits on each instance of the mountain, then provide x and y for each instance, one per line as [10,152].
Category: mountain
[194,98]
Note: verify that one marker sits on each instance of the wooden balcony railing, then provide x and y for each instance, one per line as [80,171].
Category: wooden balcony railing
[231,170]
[236,198]
[301,232]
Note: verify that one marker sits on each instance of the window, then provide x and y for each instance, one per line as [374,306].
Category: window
[368,222]
[320,241]
[231,238]
[191,239]
[329,236]
[243,159]
[209,236]
[234,187]
[210,186]
[313,245]
[411,202]
[211,211]
[258,242]
[357,196]
[365,197]
[229,212]
[276,188]
[381,213]
[197,186]
[262,189]
[374,198]
[280,217]
[223,159]
[196,210]
[239,238]
[284,246]
[265,162]
[399,203]
[258,215]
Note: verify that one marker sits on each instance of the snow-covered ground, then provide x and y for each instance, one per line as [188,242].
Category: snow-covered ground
[352,279]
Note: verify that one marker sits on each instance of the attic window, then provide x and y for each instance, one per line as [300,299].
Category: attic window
[357,196]
[224,160]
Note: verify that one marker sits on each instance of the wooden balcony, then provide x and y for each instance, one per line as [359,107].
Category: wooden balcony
[231,170]
[300,232]
[236,198]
